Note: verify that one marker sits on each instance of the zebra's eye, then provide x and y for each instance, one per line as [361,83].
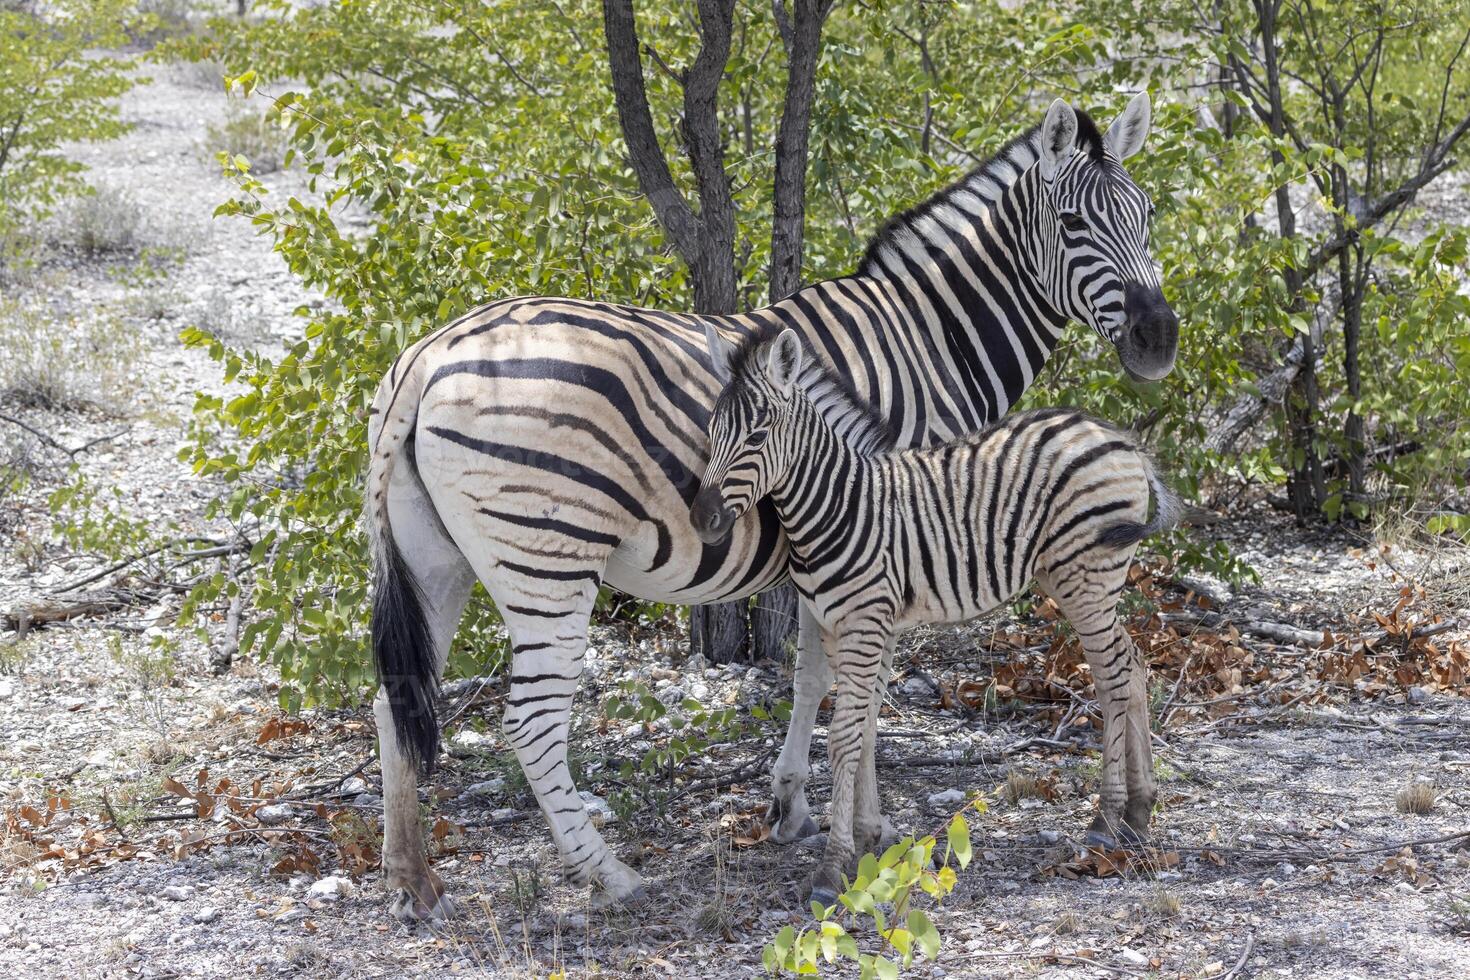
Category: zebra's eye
[757,438]
[1072,221]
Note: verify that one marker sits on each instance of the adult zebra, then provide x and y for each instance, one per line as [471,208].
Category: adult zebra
[883,539]
[548,446]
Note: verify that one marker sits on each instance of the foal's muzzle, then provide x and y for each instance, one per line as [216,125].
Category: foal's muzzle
[711,520]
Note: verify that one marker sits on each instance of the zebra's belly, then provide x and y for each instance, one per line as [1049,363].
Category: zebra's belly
[693,574]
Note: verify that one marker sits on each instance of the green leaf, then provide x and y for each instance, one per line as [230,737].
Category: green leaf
[958,837]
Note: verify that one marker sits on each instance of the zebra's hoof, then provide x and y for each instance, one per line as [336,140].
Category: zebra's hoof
[1125,838]
[618,885]
[604,899]
[409,910]
[785,828]
[824,895]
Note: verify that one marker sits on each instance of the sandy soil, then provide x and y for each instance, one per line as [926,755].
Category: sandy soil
[1286,854]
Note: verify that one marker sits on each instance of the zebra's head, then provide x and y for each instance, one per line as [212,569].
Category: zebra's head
[1092,236]
[749,448]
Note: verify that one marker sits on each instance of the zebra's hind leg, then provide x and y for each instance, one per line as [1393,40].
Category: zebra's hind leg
[789,816]
[1142,793]
[549,643]
[445,579]
[1088,597]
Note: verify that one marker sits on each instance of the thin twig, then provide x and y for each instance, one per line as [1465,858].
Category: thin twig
[1250,944]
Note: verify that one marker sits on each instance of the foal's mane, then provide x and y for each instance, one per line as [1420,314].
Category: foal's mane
[856,421]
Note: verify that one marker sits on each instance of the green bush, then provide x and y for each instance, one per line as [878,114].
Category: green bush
[54,89]
[491,176]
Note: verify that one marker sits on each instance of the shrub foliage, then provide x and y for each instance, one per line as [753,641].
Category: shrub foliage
[482,145]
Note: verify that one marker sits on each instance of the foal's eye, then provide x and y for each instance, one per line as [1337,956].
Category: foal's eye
[757,438]
[1073,221]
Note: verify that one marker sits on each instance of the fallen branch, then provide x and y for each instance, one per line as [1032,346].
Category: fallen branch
[53,444]
[1277,632]
[984,759]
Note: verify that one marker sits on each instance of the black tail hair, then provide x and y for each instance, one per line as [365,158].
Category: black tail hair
[404,653]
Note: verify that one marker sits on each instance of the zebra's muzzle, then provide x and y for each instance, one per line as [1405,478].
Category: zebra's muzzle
[1150,339]
[711,520]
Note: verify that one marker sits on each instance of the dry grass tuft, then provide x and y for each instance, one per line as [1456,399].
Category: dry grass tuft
[1067,923]
[1164,903]
[65,362]
[256,136]
[1023,786]
[1416,796]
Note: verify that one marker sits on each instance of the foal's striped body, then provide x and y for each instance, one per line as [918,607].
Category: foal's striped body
[883,539]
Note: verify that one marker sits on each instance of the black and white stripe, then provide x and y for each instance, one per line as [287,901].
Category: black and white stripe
[883,539]
[548,446]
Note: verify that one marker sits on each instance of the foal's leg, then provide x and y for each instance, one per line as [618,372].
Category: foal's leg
[1088,597]
[445,579]
[1142,793]
[869,827]
[789,816]
[859,652]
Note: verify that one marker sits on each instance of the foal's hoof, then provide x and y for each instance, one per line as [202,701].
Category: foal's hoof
[410,910]
[786,828]
[1125,837]
[824,895]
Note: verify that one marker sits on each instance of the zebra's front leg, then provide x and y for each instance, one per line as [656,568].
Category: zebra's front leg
[1089,598]
[789,816]
[549,649]
[1109,653]
[870,830]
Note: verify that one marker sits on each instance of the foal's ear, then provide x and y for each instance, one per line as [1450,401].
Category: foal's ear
[720,352]
[784,362]
[1126,135]
[1058,138]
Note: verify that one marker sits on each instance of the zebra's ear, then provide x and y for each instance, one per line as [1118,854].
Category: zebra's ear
[720,352]
[784,362]
[1126,135]
[1058,138]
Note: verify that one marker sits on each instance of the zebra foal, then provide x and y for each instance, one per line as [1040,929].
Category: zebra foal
[884,538]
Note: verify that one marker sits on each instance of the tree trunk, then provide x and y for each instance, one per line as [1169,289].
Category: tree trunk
[704,240]
[1349,274]
[773,616]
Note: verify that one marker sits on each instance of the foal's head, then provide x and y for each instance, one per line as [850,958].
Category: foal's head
[750,445]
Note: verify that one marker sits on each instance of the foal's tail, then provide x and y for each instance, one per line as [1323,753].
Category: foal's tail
[402,645]
[1169,510]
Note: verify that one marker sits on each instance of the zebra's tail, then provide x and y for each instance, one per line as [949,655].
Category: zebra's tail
[1169,510]
[402,645]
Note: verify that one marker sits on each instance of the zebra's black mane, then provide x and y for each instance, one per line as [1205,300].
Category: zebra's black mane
[860,424]
[1089,139]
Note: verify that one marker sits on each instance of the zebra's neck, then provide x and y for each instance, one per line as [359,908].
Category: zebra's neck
[963,270]
[950,288]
